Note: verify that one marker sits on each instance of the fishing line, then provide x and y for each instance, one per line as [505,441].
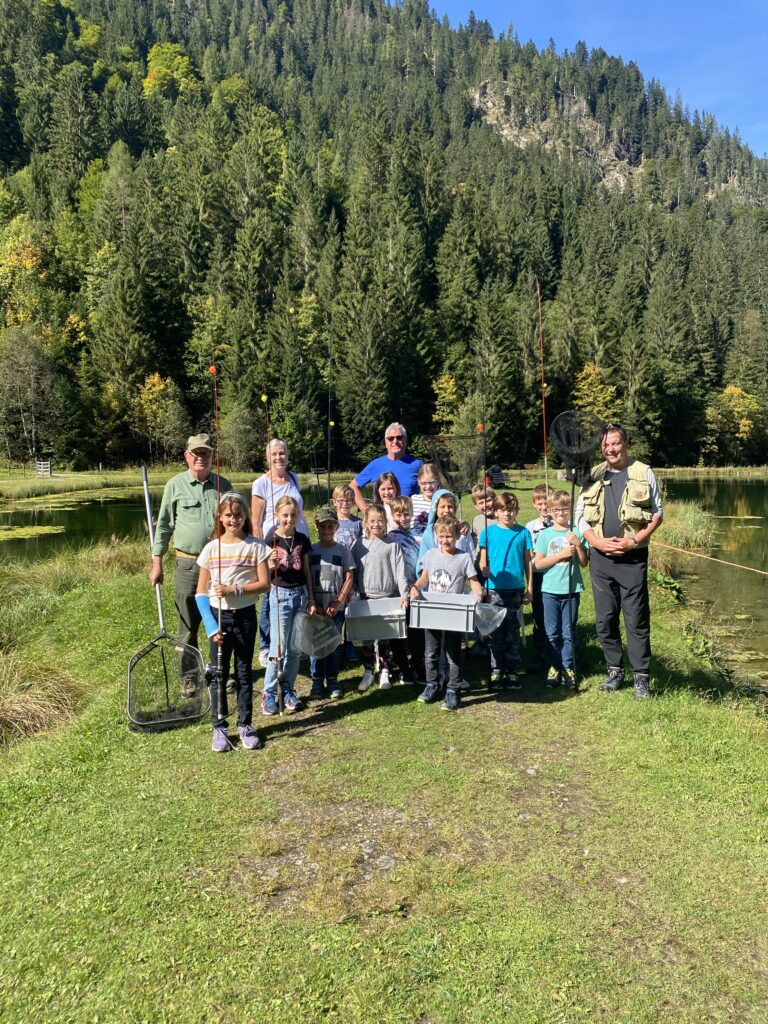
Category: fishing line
[709,558]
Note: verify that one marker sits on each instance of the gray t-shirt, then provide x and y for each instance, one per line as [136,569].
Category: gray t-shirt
[327,567]
[448,574]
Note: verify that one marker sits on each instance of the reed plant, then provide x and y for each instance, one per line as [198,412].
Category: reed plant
[34,697]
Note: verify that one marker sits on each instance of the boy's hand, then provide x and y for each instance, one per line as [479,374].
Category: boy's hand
[567,553]
[464,529]
[403,602]
[486,572]
[572,539]
[527,597]
[332,608]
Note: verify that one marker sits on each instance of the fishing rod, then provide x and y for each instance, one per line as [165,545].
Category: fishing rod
[279,664]
[543,388]
[220,689]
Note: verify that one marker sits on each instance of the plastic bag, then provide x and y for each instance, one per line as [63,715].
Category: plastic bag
[488,617]
[318,636]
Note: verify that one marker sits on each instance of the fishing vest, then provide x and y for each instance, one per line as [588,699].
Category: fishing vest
[634,507]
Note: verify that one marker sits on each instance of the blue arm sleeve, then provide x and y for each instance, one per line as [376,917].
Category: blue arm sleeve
[203,602]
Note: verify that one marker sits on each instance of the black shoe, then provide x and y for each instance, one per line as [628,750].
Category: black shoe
[429,694]
[496,682]
[614,681]
[642,686]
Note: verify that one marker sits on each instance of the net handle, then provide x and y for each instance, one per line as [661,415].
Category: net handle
[151,529]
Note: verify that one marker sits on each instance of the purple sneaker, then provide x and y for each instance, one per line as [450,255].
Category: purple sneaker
[220,744]
[248,738]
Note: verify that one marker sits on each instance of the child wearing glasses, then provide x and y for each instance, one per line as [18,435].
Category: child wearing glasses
[350,526]
[429,482]
[559,552]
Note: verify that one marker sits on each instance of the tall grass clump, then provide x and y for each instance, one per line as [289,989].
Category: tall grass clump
[686,525]
[33,697]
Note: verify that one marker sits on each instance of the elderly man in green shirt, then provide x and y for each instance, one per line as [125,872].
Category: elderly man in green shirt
[188,513]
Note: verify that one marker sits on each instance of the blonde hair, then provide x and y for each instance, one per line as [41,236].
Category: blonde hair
[540,491]
[429,467]
[447,523]
[343,491]
[481,491]
[401,504]
[559,498]
[286,500]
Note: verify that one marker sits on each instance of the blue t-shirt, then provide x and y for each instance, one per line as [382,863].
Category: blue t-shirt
[406,470]
[555,581]
[506,556]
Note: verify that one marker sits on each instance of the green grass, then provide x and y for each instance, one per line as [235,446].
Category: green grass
[540,857]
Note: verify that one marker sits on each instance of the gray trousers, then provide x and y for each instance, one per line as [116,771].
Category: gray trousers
[185,579]
[620,587]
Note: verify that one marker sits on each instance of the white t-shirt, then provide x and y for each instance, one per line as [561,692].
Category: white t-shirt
[269,491]
[239,564]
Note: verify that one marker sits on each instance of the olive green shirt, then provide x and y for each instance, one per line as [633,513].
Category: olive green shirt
[188,511]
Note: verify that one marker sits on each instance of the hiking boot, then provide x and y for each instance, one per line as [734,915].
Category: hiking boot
[189,687]
[553,677]
[568,679]
[429,694]
[496,682]
[614,681]
[366,682]
[231,685]
[642,686]
[268,703]
[248,738]
[336,690]
[452,701]
[516,679]
[220,744]
[384,683]
[317,692]
[292,701]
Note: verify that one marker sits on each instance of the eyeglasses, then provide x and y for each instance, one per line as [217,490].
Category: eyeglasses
[343,501]
[395,437]
[429,483]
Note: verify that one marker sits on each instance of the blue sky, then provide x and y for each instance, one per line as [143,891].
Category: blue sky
[715,55]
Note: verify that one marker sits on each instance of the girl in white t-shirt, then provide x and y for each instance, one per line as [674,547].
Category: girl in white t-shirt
[234,570]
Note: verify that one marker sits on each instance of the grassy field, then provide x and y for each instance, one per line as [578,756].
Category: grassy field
[538,857]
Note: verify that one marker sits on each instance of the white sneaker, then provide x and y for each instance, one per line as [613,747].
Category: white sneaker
[366,682]
[384,683]
[264,657]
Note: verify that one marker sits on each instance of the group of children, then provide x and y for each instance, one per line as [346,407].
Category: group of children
[399,548]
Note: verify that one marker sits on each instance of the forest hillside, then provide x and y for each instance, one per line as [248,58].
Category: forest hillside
[348,205]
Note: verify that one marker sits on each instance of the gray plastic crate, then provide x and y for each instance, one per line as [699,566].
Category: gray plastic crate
[454,613]
[383,619]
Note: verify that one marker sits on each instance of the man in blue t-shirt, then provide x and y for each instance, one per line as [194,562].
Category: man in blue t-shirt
[397,460]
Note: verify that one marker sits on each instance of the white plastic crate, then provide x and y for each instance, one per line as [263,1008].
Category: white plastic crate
[383,619]
[454,613]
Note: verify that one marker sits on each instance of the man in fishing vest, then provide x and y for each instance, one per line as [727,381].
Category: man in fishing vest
[187,513]
[617,512]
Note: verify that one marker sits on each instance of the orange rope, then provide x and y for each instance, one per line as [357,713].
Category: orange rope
[709,558]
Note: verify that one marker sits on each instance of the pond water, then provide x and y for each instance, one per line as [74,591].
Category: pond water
[63,520]
[739,596]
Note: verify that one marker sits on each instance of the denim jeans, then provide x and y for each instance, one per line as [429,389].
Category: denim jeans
[284,605]
[328,668]
[505,641]
[264,622]
[450,642]
[557,622]
[238,639]
[537,607]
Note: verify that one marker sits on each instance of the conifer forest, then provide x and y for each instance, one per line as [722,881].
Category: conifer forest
[349,205]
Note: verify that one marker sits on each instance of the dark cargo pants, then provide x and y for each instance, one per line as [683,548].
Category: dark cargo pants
[620,587]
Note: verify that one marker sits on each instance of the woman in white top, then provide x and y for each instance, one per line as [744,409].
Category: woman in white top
[267,490]
[278,482]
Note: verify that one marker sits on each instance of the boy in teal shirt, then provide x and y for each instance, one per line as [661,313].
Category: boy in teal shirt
[556,548]
[505,561]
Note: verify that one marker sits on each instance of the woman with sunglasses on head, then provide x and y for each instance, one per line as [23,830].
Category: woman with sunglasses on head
[278,482]
[396,460]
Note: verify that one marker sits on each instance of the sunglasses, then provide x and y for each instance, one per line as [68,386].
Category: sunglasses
[395,437]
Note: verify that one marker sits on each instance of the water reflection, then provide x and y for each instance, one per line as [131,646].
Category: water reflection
[742,537]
